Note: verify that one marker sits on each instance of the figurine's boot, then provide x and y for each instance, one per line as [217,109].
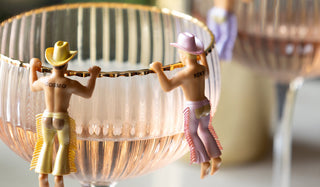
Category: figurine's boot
[43,180]
[58,181]
[215,165]
[204,169]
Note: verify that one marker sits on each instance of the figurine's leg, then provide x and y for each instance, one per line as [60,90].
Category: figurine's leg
[207,138]
[204,169]
[210,143]
[43,180]
[61,165]
[215,165]
[197,149]
[232,31]
[223,39]
[216,31]
[44,164]
[58,181]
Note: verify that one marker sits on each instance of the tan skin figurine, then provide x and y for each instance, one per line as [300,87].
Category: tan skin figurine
[191,79]
[55,120]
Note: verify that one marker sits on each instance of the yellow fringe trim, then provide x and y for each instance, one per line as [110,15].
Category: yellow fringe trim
[72,146]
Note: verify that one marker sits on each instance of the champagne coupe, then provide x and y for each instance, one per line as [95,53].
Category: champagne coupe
[280,38]
[130,126]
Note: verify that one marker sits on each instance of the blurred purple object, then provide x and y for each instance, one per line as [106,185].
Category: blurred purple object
[223,25]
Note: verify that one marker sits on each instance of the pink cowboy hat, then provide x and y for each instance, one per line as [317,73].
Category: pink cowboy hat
[189,43]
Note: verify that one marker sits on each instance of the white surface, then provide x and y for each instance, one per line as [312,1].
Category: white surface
[15,172]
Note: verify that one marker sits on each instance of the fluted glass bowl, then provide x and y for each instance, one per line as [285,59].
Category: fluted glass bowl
[130,126]
[279,38]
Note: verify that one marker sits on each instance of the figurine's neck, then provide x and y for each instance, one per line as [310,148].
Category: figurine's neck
[58,73]
[190,62]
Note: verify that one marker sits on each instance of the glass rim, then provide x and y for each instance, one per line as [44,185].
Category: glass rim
[128,73]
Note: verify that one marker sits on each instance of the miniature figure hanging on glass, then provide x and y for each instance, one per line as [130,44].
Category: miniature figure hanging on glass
[55,119]
[198,130]
[222,21]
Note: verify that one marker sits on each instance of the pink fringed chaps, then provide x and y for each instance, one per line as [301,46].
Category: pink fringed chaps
[200,135]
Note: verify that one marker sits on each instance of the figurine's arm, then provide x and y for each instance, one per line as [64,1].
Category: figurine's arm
[203,61]
[166,84]
[86,91]
[34,83]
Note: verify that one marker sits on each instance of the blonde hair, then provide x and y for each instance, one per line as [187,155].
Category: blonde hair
[189,55]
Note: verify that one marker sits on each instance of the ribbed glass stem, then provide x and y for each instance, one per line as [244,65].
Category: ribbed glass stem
[286,96]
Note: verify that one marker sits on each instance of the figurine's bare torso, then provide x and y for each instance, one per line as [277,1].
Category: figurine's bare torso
[58,89]
[191,79]
[57,93]
[193,84]
[225,4]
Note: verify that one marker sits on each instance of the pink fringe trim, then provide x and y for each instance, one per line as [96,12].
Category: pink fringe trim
[193,157]
[213,133]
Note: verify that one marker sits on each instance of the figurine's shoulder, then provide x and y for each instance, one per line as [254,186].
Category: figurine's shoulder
[195,71]
[72,83]
[195,68]
[202,67]
[66,81]
[44,80]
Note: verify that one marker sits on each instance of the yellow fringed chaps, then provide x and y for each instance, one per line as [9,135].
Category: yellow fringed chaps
[40,143]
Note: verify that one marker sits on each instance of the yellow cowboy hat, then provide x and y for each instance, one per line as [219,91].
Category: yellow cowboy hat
[60,54]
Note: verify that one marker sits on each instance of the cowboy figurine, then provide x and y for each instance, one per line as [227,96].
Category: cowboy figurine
[222,21]
[55,119]
[197,127]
